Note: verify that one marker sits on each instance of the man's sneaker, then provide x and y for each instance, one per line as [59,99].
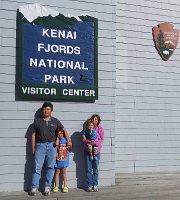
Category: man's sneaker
[89,189]
[65,189]
[95,188]
[55,189]
[33,191]
[47,191]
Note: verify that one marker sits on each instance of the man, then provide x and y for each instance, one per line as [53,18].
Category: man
[44,148]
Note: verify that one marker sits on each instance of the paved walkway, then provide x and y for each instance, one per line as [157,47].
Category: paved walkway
[139,186]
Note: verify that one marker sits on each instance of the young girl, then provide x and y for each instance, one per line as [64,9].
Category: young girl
[90,135]
[62,161]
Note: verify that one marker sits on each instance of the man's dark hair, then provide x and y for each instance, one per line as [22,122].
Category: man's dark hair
[47,104]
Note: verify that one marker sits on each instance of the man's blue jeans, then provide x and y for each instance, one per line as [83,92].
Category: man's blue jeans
[92,171]
[44,152]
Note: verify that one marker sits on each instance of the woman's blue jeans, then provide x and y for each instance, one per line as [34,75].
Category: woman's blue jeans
[92,171]
[45,152]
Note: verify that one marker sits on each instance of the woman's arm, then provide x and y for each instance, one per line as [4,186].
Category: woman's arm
[100,137]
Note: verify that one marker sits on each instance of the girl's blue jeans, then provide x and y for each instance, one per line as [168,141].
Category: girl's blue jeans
[45,152]
[92,171]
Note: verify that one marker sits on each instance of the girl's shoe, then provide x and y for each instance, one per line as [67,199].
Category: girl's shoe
[55,189]
[65,189]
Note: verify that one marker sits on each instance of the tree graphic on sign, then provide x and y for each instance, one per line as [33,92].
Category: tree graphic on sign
[161,38]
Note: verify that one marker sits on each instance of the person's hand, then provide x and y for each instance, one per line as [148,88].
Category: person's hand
[69,145]
[83,138]
[92,142]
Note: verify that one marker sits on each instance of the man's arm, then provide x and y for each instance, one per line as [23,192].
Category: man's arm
[67,138]
[33,138]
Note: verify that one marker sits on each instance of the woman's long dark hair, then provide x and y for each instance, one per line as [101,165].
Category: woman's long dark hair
[98,117]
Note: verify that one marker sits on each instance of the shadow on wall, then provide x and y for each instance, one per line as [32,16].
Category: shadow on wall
[29,160]
[78,158]
[29,165]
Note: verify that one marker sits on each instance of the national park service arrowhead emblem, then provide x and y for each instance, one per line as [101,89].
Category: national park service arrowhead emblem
[165,39]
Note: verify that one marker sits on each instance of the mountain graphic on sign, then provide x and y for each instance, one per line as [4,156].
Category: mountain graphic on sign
[169,42]
[37,14]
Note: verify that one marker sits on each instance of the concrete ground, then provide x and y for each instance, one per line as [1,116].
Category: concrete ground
[138,186]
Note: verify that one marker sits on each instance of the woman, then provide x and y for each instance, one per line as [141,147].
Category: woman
[93,164]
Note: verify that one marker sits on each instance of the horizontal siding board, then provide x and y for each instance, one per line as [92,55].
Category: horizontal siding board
[16,169]
[7,88]
[144,137]
[150,150]
[7,60]
[106,157]
[144,5]
[9,151]
[147,93]
[127,77]
[6,69]
[150,106]
[148,144]
[157,125]
[12,133]
[13,142]
[167,133]
[158,168]
[12,160]
[145,156]
[7,78]
[4,97]
[147,99]
[11,178]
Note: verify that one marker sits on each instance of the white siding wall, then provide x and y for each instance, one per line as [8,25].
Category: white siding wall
[147,89]
[16,116]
